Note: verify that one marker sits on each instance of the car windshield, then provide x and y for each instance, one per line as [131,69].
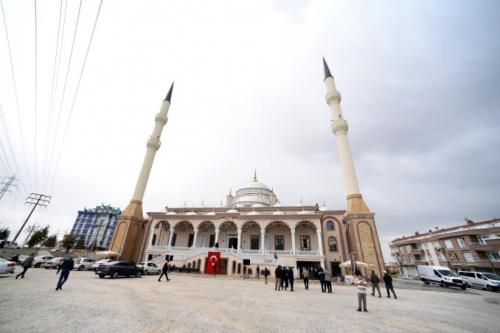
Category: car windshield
[445,272]
[491,276]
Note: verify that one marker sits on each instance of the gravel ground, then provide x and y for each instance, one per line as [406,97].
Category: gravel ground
[197,303]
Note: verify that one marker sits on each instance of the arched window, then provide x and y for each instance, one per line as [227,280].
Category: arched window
[153,241]
[330,225]
[332,244]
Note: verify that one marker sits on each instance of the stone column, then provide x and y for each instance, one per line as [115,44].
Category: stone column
[292,231]
[216,235]
[194,238]
[239,240]
[150,239]
[320,241]
[263,240]
[170,237]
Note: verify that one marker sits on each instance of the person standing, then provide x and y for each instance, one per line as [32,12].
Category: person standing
[277,273]
[66,267]
[285,277]
[258,272]
[26,265]
[328,280]
[291,277]
[374,279]
[321,274]
[305,275]
[164,271]
[361,284]
[388,285]
[266,273]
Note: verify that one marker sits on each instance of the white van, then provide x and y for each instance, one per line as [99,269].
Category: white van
[443,276]
[481,280]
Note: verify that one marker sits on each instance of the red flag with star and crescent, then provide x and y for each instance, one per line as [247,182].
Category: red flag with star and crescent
[212,263]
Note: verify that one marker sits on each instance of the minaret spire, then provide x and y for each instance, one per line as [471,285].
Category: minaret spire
[255,175]
[168,98]
[326,69]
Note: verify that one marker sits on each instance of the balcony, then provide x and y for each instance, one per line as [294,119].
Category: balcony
[416,252]
[481,246]
[182,252]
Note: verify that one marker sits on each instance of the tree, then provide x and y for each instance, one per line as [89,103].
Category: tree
[68,242]
[80,244]
[4,233]
[38,237]
[51,241]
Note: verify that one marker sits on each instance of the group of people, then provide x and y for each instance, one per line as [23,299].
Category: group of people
[362,284]
[284,278]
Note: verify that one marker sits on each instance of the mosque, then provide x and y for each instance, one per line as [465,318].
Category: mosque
[253,227]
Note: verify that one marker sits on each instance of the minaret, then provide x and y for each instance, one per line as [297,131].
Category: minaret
[362,235]
[129,232]
[355,202]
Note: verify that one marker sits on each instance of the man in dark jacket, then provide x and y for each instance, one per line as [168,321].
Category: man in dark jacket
[388,285]
[290,277]
[26,265]
[164,271]
[284,277]
[375,281]
[277,273]
[66,267]
[321,274]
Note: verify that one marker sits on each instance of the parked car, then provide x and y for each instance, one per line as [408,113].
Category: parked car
[83,264]
[100,262]
[482,280]
[8,245]
[53,263]
[119,268]
[6,266]
[443,276]
[150,268]
[39,260]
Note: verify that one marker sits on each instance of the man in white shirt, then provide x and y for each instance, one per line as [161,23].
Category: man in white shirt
[361,284]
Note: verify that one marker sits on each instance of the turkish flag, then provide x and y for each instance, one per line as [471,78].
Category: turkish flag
[213,262]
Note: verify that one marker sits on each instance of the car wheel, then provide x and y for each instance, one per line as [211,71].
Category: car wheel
[101,276]
[489,288]
[138,274]
[425,281]
[442,284]
[38,265]
[114,275]
[46,268]
[81,268]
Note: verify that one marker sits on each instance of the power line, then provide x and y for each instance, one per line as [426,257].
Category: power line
[35,199]
[36,92]
[9,141]
[64,88]
[15,89]
[53,88]
[76,93]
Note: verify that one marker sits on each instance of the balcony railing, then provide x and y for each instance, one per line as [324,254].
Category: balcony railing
[181,252]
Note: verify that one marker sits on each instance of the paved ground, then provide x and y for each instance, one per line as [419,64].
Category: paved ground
[191,303]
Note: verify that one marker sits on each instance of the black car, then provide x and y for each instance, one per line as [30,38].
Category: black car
[119,268]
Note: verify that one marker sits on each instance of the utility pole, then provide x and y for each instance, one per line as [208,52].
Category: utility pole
[35,199]
[30,230]
[6,184]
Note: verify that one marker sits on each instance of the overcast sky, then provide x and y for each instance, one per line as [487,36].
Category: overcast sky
[420,85]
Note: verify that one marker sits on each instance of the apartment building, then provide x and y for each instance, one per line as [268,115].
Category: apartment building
[473,246]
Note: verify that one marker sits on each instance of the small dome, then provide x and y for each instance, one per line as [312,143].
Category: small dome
[305,212]
[256,184]
[232,211]
[278,213]
[322,209]
[171,213]
[258,205]
[211,213]
[191,213]
[253,212]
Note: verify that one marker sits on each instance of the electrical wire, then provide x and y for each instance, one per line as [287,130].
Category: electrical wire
[36,97]
[76,92]
[15,93]
[51,155]
[53,88]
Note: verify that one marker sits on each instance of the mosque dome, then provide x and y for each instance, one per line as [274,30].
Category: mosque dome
[254,194]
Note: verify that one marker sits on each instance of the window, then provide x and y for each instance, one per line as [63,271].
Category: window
[254,242]
[332,244]
[461,242]
[279,242]
[305,243]
[453,256]
[468,256]
[190,240]
[211,241]
[174,238]
[493,256]
[448,244]
[330,225]
[153,241]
